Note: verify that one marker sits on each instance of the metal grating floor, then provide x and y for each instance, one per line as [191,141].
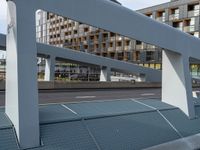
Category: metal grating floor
[66,136]
[130,132]
[182,123]
[56,113]
[4,121]
[197,110]
[2,109]
[196,102]
[8,140]
[107,125]
[158,104]
[107,108]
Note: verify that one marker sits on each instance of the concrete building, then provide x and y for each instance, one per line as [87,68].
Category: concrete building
[64,32]
[183,15]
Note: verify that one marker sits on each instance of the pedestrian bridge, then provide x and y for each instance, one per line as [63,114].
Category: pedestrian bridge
[21,70]
[106,64]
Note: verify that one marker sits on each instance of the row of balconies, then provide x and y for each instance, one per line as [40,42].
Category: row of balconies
[126,47]
[187,28]
[177,16]
[144,46]
[193,13]
[173,17]
[160,19]
[190,14]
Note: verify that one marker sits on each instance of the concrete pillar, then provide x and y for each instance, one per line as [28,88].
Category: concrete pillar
[176,82]
[50,69]
[141,78]
[21,74]
[105,74]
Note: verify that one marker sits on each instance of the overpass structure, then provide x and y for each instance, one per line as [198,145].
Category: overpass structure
[21,77]
[106,64]
[2,42]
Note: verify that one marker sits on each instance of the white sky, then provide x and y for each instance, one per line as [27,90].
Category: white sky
[132,4]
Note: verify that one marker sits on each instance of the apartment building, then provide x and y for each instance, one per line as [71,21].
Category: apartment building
[183,15]
[64,32]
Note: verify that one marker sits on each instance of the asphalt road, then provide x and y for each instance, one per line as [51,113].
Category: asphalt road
[60,96]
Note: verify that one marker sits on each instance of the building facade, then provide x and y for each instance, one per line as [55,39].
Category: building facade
[64,32]
[183,15]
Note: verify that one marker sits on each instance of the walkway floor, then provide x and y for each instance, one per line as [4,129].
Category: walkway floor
[105,125]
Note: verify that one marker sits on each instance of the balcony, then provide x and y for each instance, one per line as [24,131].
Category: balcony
[139,47]
[70,21]
[127,48]
[126,38]
[118,38]
[151,47]
[76,35]
[112,39]
[118,48]
[82,34]
[193,13]
[161,19]
[189,29]
[104,49]
[104,39]
[174,17]
[110,49]
[85,42]
[93,29]
[179,28]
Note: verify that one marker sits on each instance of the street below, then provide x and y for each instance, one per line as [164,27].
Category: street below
[63,96]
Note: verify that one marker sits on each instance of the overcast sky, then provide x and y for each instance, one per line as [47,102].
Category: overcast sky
[132,4]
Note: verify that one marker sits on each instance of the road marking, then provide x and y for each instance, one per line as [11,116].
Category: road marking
[78,102]
[96,101]
[83,97]
[147,94]
[69,109]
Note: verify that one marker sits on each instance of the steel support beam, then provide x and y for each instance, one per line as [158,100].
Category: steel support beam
[105,75]
[50,68]
[176,84]
[21,75]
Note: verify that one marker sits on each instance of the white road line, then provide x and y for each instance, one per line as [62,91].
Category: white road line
[148,94]
[78,102]
[69,109]
[83,97]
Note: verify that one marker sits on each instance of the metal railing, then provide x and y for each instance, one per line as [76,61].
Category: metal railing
[179,28]
[139,47]
[150,46]
[189,29]
[127,48]
[118,48]
[193,13]
[160,19]
[110,49]
[173,17]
